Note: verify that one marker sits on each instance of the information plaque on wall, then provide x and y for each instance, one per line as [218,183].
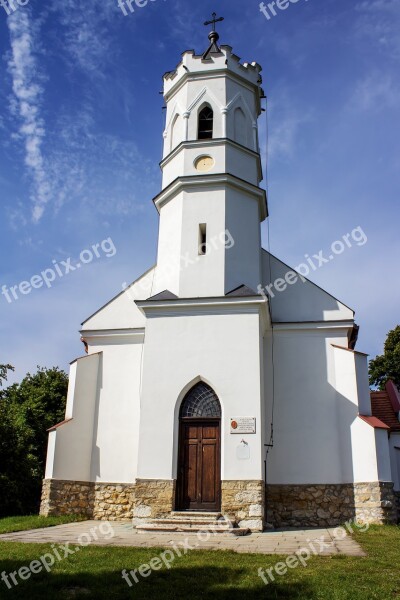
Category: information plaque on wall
[243,425]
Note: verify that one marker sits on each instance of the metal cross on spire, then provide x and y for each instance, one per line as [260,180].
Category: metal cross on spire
[214,20]
[213,36]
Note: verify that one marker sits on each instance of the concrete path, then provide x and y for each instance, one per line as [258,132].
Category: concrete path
[323,542]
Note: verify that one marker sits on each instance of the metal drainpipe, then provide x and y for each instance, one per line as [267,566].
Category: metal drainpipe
[265,480]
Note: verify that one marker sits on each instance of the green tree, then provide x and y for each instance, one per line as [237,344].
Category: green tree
[13,464]
[387,365]
[4,372]
[27,410]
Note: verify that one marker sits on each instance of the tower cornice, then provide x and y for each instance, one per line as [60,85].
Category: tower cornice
[225,64]
[216,180]
[207,75]
[207,306]
[205,144]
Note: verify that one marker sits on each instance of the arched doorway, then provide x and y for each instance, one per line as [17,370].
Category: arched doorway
[199,455]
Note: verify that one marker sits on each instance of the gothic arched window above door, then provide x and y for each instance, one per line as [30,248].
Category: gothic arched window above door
[201,402]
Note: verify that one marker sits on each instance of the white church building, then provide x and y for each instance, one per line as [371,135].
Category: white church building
[200,392]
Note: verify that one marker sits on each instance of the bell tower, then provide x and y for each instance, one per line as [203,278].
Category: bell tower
[211,204]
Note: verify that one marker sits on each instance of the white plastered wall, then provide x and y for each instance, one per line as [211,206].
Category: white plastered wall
[302,301]
[227,157]
[117,415]
[121,312]
[312,416]
[312,422]
[394,445]
[69,453]
[100,443]
[230,216]
[319,391]
[363,391]
[224,351]
[369,445]
[318,435]
[190,99]
[243,259]
[169,257]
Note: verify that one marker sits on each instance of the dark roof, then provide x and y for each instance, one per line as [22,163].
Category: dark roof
[165,295]
[242,291]
[385,406]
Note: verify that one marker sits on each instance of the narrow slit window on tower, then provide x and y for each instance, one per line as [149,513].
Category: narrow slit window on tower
[202,239]
[206,123]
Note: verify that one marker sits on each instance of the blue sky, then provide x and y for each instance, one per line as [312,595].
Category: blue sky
[81,135]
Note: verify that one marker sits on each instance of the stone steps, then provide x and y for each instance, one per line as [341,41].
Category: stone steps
[188,521]
[158,528]
[192,522]
[194,514]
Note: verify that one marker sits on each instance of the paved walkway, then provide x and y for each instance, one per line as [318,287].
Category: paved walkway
[118,533]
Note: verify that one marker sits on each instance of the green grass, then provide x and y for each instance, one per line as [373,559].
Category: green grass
[95,572]
[10,524]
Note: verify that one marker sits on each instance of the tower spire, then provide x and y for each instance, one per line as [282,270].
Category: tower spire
[213,36]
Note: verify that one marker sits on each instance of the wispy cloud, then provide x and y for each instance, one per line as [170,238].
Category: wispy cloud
[183,25]
[387,6]
[285,125]
[282,140]
[379,21]
[17,216]
[96,171]
[377,91]
[86,36]
[26,104]
[81,165]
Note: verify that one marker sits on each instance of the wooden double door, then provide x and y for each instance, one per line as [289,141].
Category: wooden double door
[199,465]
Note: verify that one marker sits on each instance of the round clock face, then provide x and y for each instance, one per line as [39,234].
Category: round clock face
[204,163]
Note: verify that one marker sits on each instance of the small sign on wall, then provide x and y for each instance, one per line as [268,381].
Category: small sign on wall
[243,425]
[243,451]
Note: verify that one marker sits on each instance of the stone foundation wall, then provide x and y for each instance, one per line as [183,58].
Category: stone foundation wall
[243,502]
[102,501]
[153,499]
[323,505]
[113,501]
[375,503]
[329,505]
[67,498]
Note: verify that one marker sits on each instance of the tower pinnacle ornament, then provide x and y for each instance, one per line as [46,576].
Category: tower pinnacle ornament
[213,36]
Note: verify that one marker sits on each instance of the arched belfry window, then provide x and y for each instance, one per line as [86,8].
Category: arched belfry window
[206,123]
[201,402]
